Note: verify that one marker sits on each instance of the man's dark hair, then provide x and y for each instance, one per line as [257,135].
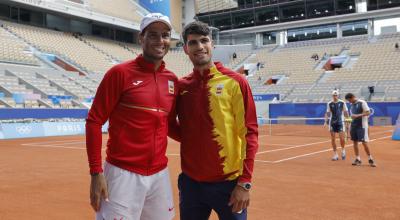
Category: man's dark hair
[195,27]
[349,96]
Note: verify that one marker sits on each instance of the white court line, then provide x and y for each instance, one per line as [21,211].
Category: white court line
[289,133]
[264,161]
[322,151]
[309,144]
[296,146]
[278,145]
[39,144]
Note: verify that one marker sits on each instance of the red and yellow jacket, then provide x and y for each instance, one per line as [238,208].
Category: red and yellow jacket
[218,126]
[136,100]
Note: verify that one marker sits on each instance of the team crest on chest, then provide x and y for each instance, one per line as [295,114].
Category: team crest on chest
[219,89]
[171,87]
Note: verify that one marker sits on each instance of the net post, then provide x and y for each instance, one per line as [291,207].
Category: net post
[270,126]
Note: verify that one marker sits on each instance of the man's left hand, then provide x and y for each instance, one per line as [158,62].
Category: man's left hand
[240,199]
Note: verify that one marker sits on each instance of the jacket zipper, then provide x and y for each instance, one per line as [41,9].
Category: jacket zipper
[156,123]
[203,117]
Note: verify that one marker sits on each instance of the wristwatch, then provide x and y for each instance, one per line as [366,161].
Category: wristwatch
[245,185]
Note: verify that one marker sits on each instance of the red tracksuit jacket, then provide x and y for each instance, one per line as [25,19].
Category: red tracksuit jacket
[136,100]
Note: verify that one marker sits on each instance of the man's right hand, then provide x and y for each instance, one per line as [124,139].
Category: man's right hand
[98,191]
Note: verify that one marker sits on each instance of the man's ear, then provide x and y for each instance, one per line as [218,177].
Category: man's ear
[141,36]
[185,49]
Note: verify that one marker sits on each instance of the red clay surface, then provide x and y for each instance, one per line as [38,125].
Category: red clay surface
[47,178]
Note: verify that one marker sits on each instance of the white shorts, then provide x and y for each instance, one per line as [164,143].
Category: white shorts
[136,197]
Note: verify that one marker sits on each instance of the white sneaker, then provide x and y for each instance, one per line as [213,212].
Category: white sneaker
[343,155]
[335,157]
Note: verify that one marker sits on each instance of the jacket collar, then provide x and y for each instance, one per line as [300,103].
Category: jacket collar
[147,65]
[209,73]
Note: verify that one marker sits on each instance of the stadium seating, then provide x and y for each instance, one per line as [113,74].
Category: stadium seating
[30,87]
[116,51]
[68,84]
[91,82]
[240,57]
[14,50]
[178,62]
[117,8]
[301,67]
[376,64]
[64,45]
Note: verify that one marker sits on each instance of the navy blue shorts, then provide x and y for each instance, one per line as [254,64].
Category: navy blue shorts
[336,127]
[197,199]
[359,134]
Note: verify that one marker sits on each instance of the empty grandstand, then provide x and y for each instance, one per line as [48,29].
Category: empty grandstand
[366,62]
[118,8]
[302,62]
[13,50]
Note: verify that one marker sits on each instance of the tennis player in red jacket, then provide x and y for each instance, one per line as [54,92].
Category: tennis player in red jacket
[135,97]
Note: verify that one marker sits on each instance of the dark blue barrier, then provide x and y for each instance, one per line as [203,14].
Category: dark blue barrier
[42,113]
[317,110]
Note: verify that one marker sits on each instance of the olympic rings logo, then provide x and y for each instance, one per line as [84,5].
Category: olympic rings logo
[23,129]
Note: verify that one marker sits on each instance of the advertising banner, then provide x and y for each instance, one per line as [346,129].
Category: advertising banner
[63,128]
[22,130]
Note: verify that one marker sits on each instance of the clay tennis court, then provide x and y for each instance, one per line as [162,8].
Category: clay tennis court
[47,178]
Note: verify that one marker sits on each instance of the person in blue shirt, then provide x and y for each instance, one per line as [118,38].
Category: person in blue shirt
[336,111]
[359,111]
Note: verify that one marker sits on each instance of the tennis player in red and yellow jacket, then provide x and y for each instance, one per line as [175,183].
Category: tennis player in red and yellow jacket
[218,134]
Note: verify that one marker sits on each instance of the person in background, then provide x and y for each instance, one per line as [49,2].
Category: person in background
[359,111]
[336,111]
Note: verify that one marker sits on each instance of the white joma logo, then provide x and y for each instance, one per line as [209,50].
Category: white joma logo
[137,82]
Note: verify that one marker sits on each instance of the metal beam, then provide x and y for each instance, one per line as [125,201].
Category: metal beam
[382,13]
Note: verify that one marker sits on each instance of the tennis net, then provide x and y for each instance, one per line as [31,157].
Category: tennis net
[293,126]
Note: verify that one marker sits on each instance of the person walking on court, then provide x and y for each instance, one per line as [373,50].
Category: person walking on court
[359,111]
[336,110]
[219,134]
[135,97]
